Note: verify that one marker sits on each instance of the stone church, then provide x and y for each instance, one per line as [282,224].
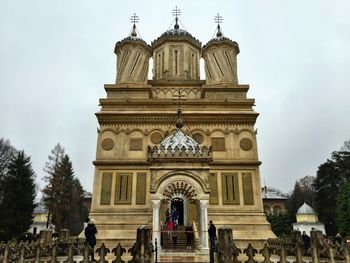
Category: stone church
[177,141]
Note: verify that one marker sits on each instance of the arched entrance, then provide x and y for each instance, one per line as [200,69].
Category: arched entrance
[185,194]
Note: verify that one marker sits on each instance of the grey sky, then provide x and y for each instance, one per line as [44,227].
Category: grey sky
[55,57]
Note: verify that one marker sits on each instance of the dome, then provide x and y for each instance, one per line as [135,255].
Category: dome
[179,140]
[130,40]
[222,40]
[306,209]
[176,34]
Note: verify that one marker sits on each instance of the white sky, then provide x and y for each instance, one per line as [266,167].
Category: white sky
[56,55]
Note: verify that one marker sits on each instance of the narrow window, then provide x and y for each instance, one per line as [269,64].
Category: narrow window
[137,59]
[175,62]
[217,63]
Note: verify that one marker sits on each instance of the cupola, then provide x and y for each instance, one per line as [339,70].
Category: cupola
[220,58]
[133,55]
[176,54]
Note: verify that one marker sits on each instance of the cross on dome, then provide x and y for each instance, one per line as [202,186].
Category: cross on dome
[218,20]
[176,12]
[134,19]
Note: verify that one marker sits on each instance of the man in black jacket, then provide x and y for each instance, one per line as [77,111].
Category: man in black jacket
[212,234]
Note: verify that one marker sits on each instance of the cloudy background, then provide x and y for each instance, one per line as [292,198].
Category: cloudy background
[56,55]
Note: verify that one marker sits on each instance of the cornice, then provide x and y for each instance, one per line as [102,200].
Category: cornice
[148,164]
[111,118]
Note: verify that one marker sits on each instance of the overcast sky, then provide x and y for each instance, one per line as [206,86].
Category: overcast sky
[55,57]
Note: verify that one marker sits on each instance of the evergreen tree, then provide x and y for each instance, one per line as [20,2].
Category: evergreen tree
[63,195]
[19,196]
[330,176]
[6,153]
[343,209]
[281,224]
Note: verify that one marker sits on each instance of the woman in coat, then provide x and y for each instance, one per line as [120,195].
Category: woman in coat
[90,235]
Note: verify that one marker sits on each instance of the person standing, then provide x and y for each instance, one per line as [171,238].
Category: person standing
[306,241]
[174,236]
[90,235]
[189,236]
[212,234]
[169,226]
[175,216]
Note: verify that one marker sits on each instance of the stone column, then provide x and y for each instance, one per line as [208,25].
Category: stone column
[156,229]
[203,243]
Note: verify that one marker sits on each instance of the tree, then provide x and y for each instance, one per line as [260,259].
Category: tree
[330,176]
[6,153]
[303,192]
[19,196]
[63,195]
[281,223]
[343,209]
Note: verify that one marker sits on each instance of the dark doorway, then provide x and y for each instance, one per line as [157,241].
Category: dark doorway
[179,204]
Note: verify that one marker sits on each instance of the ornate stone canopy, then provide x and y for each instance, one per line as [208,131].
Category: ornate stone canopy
[179,140]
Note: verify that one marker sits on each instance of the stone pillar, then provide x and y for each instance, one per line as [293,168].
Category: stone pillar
[155,228]
[203,223]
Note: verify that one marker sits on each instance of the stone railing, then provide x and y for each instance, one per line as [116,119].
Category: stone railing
[286,250]
[69,249]
[199,153]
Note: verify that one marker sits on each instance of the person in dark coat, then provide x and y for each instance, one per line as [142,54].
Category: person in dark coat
[212,234]
[306,241]
[90,235]
[189,236]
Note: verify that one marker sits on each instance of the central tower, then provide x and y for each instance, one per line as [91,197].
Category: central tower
[206,165]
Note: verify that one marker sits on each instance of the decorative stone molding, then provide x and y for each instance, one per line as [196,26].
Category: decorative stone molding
[107,144]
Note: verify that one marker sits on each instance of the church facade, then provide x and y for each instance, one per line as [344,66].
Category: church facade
[177,141]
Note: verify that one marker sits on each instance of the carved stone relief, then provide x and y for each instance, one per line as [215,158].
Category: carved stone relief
[246,144]
[198,138]
[107,144]
[136,144]
[156,137]
[218,144]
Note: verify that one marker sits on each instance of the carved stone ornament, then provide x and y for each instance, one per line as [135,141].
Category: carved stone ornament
[218,144]
[156,137]
[136,144]
[107,144]
[246,144]
[198,138]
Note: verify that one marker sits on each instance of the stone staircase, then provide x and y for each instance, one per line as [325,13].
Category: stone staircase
[181,239]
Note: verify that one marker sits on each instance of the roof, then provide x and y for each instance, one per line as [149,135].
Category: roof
[40,209]
[221,40]
[271,194]
[306,209]
[176,34]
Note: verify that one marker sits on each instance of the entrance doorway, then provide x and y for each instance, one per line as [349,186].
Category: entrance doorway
[178,203]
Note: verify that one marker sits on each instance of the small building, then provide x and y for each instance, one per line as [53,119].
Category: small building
[40,214]
[307,219]
[273,201]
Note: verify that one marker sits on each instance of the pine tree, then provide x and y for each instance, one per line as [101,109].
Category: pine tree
[6,153]
[19,196]
[63,194]
[343,209]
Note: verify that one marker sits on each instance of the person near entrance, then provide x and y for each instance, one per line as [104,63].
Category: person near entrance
[175,216]
[170,227]
[212,234]
[189,236]
[174,235]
